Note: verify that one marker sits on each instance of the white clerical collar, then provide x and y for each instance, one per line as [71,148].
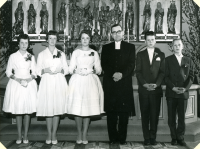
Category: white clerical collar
[117,44]
[181,55]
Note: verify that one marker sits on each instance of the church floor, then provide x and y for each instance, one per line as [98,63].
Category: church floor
[90,145]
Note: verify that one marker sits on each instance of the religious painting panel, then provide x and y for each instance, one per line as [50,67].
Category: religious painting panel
[61,17]
[32,17]
[161,16]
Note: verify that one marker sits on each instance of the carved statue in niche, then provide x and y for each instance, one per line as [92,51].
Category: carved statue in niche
[78,22]
[96,37]
[102,22]
[88,19]
[31,19]
[72,18]
[159,13]
[19,19]
[146,16]
[129,19]
[80,19]
[96,13]
[109,21]
[171,17]
[117,14]
[44,18]
[62,18]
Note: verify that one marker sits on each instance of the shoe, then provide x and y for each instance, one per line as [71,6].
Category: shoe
[123,143]
[181,142]
[153,142]
[146,142]
[79,141]
[112,142]
[25,141]
[54,141]
[48,141]
[18,141]
[173,142]
[85,142]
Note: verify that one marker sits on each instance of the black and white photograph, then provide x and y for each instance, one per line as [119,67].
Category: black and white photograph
[100,74]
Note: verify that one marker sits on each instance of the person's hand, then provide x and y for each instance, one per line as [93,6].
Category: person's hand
[80,71]
[18,80]
[24,83]
[117,76]
[146,85]
[47,70]
[57,70]
[182,89]
[176,90]
[29,80]
[62,71]
[152,87]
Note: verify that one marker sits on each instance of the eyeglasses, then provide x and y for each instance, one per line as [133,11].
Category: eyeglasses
[117,32]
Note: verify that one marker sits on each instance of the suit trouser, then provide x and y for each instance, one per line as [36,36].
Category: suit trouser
[120,118]
[179,106]
[150,109]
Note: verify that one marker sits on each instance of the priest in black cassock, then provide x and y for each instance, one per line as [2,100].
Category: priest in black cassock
[118,63]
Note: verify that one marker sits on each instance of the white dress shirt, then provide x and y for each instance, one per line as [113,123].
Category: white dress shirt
[150,52]
[117,44]
[179,58]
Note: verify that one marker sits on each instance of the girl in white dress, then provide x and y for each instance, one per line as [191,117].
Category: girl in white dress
[85,90]
[21,90]
[53,89]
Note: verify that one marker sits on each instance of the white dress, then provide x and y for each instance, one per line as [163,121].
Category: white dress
[85,92]
[53,88]
[19,99]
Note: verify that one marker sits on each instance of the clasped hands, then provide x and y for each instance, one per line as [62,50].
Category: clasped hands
[117,76]
[179,90]
[150,87]
[49,71]
[83,71]
[23,82]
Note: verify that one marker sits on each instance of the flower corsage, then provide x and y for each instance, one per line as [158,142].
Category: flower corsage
[28,58]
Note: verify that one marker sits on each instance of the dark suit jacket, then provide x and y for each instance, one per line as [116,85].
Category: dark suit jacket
[118,94]
[153,73]
[178,76]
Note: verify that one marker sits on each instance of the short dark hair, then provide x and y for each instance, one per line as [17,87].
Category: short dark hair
[149,33]
[23,36]
[115,25]
[52,32]
[85,32]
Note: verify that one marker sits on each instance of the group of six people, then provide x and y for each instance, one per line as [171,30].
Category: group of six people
[85,97]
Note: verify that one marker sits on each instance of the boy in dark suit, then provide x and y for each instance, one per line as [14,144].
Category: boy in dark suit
[150,69]
[118,62]
[179,76]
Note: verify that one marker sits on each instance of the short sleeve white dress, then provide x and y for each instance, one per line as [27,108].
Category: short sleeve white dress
[53,88]
[85,92]
[19,99]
